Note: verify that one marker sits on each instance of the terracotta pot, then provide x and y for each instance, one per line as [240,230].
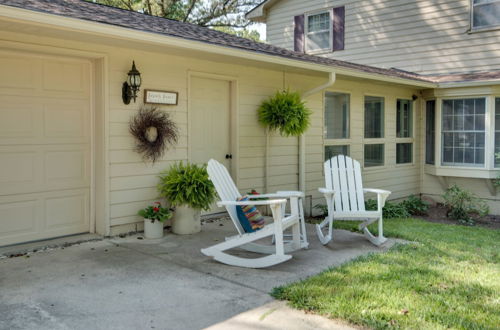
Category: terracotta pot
[153,230]
[186,221]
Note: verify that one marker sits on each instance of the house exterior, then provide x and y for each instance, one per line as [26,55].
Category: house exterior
[456,126]
[67,158]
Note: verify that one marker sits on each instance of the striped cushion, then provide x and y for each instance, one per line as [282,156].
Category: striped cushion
[250,218]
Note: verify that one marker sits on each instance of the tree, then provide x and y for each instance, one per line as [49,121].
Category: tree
[225,15]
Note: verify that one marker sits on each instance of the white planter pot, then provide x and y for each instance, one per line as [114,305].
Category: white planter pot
[186,221]
[153,229]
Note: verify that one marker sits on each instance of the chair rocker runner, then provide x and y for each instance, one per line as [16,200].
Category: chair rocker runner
[229,194]
[344,196]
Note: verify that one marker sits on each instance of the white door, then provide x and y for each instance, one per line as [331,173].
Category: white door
[45,147]
[210,108]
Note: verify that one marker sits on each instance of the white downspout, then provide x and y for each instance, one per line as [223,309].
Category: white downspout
[302,139]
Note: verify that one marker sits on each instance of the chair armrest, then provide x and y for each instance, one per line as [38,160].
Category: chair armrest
[326,191]
[278,194]
[377,191]
[243,203]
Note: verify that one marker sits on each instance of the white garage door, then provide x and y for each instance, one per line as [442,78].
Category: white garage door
[44,147]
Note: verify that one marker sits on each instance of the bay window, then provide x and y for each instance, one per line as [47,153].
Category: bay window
[463,132]
[430,132]
[404,132]
[485,14]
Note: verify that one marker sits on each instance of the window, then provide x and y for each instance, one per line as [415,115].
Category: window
[318,32]
[430,131]
[497,132]
[404,119]
[374,155]
[374,117]
[485,13]
[336,116]
[332,151]
[404,153]
[463,132]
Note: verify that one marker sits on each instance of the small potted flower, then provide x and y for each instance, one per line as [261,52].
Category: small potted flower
[154,217]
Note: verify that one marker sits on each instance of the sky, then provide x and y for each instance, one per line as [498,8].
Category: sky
[261,28]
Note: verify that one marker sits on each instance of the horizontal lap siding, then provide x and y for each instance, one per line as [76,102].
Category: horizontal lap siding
[426,36]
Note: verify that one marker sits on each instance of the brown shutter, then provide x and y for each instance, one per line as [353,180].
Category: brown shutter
[338,28]
[298,34]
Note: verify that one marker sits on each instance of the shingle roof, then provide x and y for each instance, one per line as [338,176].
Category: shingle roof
[79,9]
[84,10]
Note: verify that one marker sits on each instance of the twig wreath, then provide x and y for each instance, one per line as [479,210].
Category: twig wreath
[285,112]
[154,131]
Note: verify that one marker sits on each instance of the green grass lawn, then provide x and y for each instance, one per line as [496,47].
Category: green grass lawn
[448,278]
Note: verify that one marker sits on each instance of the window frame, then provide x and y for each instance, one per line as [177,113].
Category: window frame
[330,32]
[495,130]
[337,142]
[383,127]
[486,129]
[348,128]
[473,29]
[406,140]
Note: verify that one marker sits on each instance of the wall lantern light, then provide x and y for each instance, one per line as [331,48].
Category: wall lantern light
[132,85]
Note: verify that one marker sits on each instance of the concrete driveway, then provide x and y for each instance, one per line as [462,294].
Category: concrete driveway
[129,283]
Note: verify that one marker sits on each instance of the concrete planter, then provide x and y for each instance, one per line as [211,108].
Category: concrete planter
[153,230]
[186,221]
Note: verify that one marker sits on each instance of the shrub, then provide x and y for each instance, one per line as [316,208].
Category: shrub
[323,209]
[463,205]
[286,112]
[187,185]
[415,205]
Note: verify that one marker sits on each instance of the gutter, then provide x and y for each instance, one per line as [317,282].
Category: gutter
[332,77]
[80,25]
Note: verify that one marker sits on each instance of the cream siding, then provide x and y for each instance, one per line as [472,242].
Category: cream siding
[425,36]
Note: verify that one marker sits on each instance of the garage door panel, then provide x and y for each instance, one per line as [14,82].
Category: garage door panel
[65,77]
[19,168]
[66,120]
[67,211]
[19,119]
[22,73]
[18,218]
[66,168]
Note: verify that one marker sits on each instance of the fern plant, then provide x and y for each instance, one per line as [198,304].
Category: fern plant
[187,184]
[285,112]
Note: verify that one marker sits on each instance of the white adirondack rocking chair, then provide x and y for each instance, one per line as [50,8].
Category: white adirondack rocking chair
[275,253]
[344,195]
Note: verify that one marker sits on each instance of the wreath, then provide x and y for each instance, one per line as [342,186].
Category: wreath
[153,131]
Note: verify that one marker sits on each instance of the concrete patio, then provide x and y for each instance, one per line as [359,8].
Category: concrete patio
[129,283]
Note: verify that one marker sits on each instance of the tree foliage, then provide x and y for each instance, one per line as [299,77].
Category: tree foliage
[228,15]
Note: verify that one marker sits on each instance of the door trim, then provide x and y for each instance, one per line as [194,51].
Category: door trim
[233,114]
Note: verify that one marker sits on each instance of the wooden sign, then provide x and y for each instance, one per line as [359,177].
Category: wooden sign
[160,97]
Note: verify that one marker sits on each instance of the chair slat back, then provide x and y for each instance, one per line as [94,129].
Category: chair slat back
[226,189]
[343,175]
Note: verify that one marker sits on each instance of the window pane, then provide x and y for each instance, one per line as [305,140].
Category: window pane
[497,132]
[404,119]
[332,151]
[374,155]
[374,117]
[486,13]
[404,153]
[336,116]
[463,132]
[318,41]
[318,22]
[430,131]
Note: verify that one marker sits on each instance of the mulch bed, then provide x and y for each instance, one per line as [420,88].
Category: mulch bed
[437,214]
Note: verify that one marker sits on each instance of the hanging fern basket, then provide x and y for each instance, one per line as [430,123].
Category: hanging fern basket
[285,112]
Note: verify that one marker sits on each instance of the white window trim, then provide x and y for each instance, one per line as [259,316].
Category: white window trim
[306,32]
[488,171]
[473,29]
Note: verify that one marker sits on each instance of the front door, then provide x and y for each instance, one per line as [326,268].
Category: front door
[210,108]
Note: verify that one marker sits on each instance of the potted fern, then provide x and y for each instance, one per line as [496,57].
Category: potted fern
[154,217]
[188,189]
